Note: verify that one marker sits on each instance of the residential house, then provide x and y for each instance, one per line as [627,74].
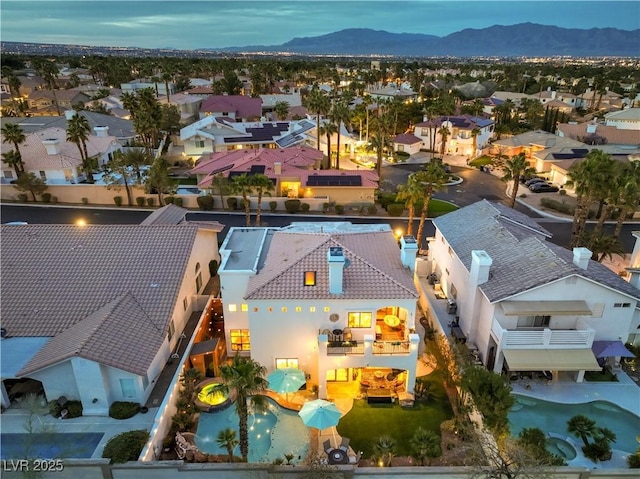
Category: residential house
[160,88]
[461,139]
[596,133]
[42,102]
[49,155]
[93,313]
[525,303]
[392,92]
[238,108]
[609,100]
[188,106]
[407,142]
[335,300]
[294,100]
[295,173]
[565,102]
[628,119]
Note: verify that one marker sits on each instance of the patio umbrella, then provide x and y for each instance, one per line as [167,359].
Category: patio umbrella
[286,380]
[320,414]
[607,349]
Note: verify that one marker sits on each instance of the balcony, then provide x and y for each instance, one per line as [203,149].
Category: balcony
[543,338]
[391,347]
[341,348]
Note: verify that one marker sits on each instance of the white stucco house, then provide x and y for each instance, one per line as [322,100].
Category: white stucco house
[467,135]
[93,313]
[628,119]
[332,299]
[526,303]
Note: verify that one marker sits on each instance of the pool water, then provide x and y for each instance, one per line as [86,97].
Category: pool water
[212,394]
[272,433]
[561,448]
[49,445]
[553,417]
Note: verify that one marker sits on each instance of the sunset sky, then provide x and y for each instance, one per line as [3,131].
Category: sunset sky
[217,24]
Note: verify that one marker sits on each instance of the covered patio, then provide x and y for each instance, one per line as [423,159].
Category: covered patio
[554,360]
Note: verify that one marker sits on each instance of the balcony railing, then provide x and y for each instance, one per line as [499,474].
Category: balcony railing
[391,347]
[543,338]
[345,347]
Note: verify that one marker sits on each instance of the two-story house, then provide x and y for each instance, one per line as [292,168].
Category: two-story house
[526,303]
[232,107]
[467,134]
[332,299]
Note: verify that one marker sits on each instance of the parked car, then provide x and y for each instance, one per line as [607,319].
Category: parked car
[543,188]
[537,179]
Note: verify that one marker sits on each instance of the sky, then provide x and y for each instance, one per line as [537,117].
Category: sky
[217,24]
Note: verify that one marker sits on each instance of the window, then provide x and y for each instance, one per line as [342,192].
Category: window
[128,388]
[622,305]
[360,319]
[270,309]
[450,251]
[309,278]
[240,340]
[453,292]
[43,175]
[533,321]
[327,309]
[284,309]
[244,308]
[282,363]
[312,309]
[298,309]
[199,143]
[185,303]
[256,309]
[171,330]
[340,375]
[233,308]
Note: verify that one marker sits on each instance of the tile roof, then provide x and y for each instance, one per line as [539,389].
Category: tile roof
[630,114]
[406,139]
[57,277]
[465,122]
[612,134]
[167,215]
[522,259]
[540,138]
[374,270]
[243,106]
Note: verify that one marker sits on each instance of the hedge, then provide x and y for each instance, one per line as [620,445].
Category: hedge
[46,197]
[140,200]
[292,206]
[395,209]
[123,409]
[125,447]
[232,203]
[117,200]
[205,203]
[178,201]
[273,206]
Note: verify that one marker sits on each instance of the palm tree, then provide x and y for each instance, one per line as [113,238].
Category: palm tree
[443,131]
[78,131]
[432,178]
[12,159]
[474,134]
[282,110]
[603,246]
[583,427]
[513,169]
[263,185]
[241,185]
[227,438]
[220,183]
[12,133]
[628,194]
[384,450]
[319,104]
[246,377]
[425,445]
[410,194]
[339,115]
[48,70]
[329,129]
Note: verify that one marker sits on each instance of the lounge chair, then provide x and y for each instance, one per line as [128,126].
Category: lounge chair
[327,446]
[344,445]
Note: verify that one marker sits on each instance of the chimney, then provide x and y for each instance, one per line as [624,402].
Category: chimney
[408,251]
[69,114]
[52,145]
[592,127]
[101,131]
[581,257]
[336,259]
[277,168]
[480,264]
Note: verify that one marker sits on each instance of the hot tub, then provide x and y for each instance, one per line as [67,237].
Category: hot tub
[213,395]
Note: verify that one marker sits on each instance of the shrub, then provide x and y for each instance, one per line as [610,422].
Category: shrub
[85,201]
[54,200]
[23,197]
[339,209]
[305,207]
[232,203]
[325,207]
[151,201]
[273,206]
[169,200]
[123,409]
[213,267]
[523,195]
[385,199]
[178,201]
[125,447]
[292,205]
[140,200]
[46,197]
[205,203]
[73,408]
[117,200]
[560,206]
[395,209]
[372,209]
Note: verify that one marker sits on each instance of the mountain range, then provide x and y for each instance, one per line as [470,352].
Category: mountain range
[524,39]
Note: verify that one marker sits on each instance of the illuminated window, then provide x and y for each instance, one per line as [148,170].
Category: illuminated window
[298,309]
[360,319]
[240,340]
[284,309]
[244,307]
[312,309]
[233,308]
[270,309]
[309,278]
[255,310]
[327,309]
[282,363]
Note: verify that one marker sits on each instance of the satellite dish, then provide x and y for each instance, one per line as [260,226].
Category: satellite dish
[334,317]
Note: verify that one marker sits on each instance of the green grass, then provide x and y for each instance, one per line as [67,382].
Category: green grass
[366,422]
[597,376]
[439,207]
[481,161]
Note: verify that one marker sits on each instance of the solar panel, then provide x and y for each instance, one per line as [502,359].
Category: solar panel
[255,169]
[288,140]
[327,180]
[237,139]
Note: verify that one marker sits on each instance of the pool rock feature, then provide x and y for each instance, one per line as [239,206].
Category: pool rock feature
[213,395]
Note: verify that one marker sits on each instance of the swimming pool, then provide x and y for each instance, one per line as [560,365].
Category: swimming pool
[553,417]
[49,445]
[272,433]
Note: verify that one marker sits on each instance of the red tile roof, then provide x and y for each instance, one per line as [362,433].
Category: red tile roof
[243,106]
[406,139]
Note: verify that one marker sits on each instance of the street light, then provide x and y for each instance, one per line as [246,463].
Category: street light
[81,222]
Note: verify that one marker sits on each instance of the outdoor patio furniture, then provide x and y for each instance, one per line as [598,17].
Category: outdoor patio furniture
[346,334]
[327,446]
[344,444]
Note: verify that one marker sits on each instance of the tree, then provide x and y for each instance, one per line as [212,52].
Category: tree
[328,129]
[136,158]
[535,441]
[339,114]
[443,131]
[263,185]
[12,133]
[12,159]
[246,377]
[241,185]
[319,104]
[474,134]
[78,131]
[603,246]
[628,194]
[513,169]
[583,427]
[282,110]
[432,178]
[158,179]
[425,445]
[221,185]
[230,83]
[384,450]
[48,70]
[227,438]
[170,119]
[30,183]
[116,170]
[410,194]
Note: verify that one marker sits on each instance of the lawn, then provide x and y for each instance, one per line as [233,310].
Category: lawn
[481,161]
[366,422]
[439,207]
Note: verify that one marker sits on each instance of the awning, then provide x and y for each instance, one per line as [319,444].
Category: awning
[551,308]
[551,360]
[205,347]
[608,349]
